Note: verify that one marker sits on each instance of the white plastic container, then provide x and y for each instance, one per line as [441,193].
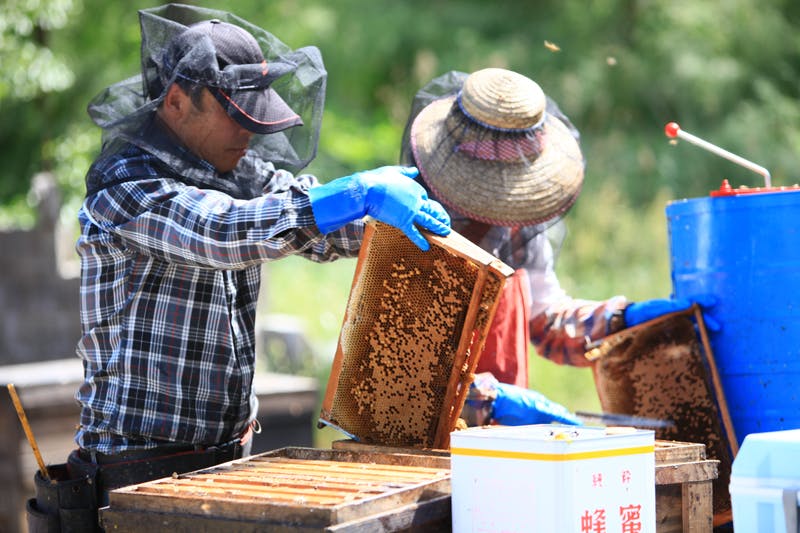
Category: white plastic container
[552,478]
[765,480]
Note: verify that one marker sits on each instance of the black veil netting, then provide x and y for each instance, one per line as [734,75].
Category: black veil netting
[125,109]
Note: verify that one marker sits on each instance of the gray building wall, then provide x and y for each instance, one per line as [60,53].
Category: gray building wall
[38,304]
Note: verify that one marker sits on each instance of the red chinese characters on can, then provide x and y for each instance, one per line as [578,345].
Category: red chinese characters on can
[629,517]
[595,521]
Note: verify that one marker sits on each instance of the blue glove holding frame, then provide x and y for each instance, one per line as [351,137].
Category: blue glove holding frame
[517,406]
[388,194]
[639,312]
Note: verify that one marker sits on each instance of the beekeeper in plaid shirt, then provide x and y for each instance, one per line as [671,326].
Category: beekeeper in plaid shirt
[183,205]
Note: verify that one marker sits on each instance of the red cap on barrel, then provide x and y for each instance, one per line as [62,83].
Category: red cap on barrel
[672,129]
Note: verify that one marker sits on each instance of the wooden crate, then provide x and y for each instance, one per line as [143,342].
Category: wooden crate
[684,488]
[292,489]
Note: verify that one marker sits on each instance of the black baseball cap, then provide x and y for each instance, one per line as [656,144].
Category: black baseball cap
[228,60]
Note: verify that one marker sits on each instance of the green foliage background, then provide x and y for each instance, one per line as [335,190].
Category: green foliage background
[726,71]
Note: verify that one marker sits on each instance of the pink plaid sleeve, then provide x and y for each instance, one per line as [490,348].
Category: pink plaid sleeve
[563,331]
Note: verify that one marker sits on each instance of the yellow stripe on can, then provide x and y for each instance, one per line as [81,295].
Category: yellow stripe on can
[554,457]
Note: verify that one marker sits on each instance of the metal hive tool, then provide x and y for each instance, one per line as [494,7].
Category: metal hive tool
[413,331]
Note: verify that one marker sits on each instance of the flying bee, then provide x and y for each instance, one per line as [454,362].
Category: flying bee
[552,46]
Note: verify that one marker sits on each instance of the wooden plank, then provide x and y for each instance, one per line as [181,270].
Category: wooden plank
[686,472]
[350,444]
[268,465]
[684,487]
[455,388]
[361,456]
[136,521]
[188,488]
[669,509]
[698,512]
[199,506]
[678,452]
[719,392]
[245,479]
[427,516]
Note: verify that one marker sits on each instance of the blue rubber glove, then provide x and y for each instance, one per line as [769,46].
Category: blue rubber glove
[388,194]
[639,312]
[518,406]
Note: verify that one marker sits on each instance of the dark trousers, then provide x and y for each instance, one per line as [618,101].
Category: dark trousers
[69,501]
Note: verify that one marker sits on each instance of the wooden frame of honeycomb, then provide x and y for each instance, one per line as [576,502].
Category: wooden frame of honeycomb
[413,331]
[661,370]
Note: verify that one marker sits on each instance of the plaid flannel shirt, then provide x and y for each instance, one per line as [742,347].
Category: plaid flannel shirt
[169,286]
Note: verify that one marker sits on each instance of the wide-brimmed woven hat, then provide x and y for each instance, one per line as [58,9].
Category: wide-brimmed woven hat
[495,155]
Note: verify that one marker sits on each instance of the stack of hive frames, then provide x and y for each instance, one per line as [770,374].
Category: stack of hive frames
[413,331]
[290,490]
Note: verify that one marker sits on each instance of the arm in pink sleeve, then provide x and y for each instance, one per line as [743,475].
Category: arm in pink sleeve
[562,331]
[561,327]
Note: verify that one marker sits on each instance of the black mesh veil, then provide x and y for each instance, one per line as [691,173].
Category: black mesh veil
[124,109]
[445,85]
[448,85]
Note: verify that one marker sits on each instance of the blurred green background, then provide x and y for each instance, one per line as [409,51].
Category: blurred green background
[728,72]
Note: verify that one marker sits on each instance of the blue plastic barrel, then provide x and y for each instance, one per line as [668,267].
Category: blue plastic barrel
[745,250]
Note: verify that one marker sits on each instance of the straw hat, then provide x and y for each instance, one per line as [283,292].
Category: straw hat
[493,153]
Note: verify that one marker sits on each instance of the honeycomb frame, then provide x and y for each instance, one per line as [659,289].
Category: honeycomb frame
[413,331]
[661,370]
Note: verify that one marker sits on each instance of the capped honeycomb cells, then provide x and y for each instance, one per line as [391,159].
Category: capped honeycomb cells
[414,327]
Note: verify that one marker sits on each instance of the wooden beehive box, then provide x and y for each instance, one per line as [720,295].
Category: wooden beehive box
[292,489]
[357,487]
[684,487]
[413,332]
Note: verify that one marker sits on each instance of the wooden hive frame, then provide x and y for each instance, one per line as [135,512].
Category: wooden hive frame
[413,330]
[661,369]
[289,490]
